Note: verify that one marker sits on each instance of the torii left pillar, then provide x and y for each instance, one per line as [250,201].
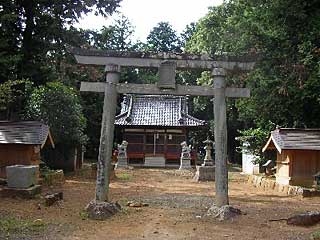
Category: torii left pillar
[107,132]
[101,208]
[220,137]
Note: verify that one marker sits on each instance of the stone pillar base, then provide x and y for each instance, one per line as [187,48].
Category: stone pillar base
[205,173]
[102,210]
[185,163]
[122,163]
[223,213]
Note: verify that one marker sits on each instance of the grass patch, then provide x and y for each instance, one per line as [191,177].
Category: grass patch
[84,215]
[9,225]
[124,176]
[315,235]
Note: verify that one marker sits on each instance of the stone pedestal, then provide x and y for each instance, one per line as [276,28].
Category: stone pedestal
[24,193]
[205,173]
[223,213]
[22,176]
[102,210]
[185,163]
[122,162]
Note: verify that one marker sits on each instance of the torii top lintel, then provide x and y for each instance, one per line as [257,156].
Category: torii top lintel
[154,60]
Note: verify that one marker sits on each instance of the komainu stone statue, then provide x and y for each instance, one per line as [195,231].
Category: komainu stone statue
[185,159]
[122,154]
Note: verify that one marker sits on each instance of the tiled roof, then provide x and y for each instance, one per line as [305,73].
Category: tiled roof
[152,110]
[24,132]
[294,138]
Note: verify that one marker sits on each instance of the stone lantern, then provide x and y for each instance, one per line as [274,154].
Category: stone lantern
[206,172]
[208,161]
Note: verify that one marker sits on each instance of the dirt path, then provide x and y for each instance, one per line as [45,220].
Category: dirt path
[176,210]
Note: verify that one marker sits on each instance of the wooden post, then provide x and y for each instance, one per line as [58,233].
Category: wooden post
[220,137]
[107,132]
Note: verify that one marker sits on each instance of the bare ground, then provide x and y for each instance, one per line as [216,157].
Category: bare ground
[176,210]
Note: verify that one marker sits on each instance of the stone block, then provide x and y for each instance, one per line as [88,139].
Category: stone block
[22,176]
[250,179]
[185,163]
[50,199]
[25,193]
[259,180]
[291,191]
[122,162]
[280,187]
[285,189]
[272,185]
[310,192]
[205,173]
[102,210]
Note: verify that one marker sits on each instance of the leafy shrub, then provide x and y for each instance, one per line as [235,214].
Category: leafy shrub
[58,106]
[252,141]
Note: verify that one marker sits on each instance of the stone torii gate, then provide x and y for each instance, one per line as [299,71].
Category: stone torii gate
[167,63]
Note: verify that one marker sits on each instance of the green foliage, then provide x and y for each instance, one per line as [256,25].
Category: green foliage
[315,235]
[187,33]
[59,107]
[285,86]
[34,34]
[12,95]
[117,36]
[12,225]
[252,141]
[163,38]
[10,92]
[124,176]
[84,215]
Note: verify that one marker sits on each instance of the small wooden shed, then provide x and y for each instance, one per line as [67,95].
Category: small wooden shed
[21,142]
[298,155]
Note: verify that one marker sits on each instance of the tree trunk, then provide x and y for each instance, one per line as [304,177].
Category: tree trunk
[27,41]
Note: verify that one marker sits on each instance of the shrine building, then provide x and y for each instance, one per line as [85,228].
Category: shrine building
[298,155]
[154,127]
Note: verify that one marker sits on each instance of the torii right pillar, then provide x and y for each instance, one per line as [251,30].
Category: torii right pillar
[220,137]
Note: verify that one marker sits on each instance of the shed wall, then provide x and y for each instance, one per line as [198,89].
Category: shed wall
[283,167]
[12,154]
[305,164]
[297,167]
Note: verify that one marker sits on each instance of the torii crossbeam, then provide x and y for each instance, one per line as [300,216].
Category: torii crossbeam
[167,63]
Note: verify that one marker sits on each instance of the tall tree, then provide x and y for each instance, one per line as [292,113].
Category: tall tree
[118,36]
[36,31]
[163,38]
[285,84]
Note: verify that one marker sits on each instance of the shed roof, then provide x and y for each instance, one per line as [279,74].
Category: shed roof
[155,110]
[25,132]
[294,139]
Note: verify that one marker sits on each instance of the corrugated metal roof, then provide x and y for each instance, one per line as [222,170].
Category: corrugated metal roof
[154,110]
[294,138]
[24,132]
